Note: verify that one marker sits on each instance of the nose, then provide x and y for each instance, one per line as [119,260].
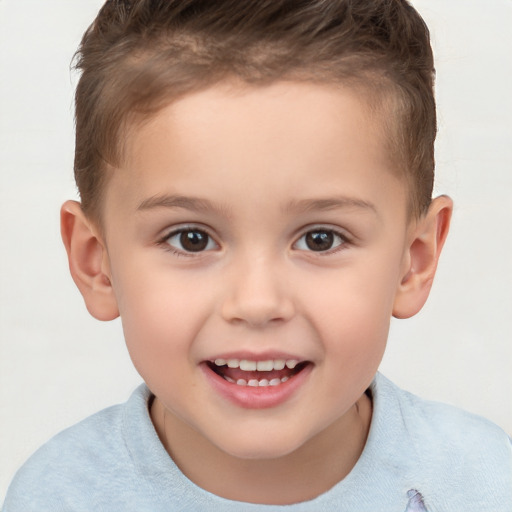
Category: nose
[257,294]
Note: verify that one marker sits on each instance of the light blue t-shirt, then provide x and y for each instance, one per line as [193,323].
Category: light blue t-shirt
[420,456]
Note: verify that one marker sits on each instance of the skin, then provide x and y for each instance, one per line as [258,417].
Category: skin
[268,165]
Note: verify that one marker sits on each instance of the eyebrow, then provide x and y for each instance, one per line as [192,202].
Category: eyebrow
[295,206]
[196,204]
[330,203]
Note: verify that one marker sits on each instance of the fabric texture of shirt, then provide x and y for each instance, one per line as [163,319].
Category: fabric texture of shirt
[420,456]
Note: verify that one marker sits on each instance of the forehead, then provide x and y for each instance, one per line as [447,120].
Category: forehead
[289,135]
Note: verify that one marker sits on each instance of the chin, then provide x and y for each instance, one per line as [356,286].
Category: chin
[261,446]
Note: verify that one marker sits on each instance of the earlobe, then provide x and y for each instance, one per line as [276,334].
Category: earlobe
[88,261]
[422,257]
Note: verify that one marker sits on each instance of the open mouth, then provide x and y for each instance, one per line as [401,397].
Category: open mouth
[243,372]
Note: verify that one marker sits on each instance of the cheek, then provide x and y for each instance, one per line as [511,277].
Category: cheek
[161,316]
[351,309]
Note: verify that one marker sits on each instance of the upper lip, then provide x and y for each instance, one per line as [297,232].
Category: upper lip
[251,356]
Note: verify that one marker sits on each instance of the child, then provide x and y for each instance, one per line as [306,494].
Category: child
[256,182]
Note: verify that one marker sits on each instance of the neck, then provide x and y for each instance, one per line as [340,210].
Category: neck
[302,475]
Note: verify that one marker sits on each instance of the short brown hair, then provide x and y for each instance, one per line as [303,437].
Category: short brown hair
[138,55]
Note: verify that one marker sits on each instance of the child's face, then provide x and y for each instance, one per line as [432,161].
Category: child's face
[257,224]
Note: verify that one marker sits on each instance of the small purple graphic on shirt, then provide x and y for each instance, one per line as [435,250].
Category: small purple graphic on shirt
[416,503]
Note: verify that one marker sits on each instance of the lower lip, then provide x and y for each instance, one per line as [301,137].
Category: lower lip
[250,397]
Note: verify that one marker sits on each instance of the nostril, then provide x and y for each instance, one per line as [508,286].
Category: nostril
[257,313]
[255,293]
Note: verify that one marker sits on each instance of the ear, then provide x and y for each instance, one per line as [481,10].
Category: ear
[424,248]
[88,261]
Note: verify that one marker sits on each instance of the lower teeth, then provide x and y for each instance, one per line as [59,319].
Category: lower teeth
[257,383]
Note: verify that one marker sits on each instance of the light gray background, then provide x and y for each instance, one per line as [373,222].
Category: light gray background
[58,365]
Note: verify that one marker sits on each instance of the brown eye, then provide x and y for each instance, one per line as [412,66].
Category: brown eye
[320,240]
[191,240]
[194,241]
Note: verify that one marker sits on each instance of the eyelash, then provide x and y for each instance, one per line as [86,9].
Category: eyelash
[164,241]
[343,240]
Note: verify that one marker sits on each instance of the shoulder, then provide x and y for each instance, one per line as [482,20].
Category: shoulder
[75,461]
[468,457]
[435,423]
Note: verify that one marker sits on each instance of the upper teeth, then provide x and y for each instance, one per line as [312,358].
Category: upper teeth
[261,366]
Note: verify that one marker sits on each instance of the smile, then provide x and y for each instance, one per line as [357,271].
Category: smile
[245,372]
